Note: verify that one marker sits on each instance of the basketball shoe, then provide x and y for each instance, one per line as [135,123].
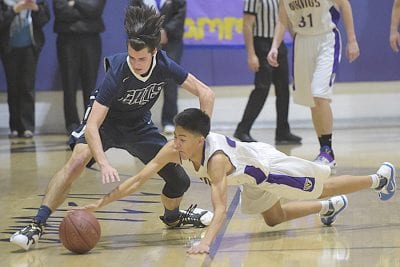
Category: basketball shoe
[325,157]
[27,236]
[386,171]
[193,216]
[336,205]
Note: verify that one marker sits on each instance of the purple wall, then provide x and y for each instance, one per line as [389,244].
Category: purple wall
[225,65]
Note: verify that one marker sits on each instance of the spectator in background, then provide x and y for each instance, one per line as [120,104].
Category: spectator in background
[174,12]
[78,25]
[21,40]
[394,26]
[259,22]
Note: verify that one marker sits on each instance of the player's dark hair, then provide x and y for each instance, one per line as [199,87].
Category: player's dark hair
[143,27]
[193,120]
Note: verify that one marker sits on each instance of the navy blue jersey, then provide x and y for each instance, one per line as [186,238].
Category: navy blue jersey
[130,96]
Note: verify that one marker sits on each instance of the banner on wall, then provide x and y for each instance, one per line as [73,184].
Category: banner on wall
[213,22]
[216,23]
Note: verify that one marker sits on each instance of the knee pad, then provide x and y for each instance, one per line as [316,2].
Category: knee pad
[176,180]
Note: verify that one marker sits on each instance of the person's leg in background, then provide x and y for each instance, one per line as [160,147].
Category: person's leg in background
[27,91]
[69,61]
[10,64]
[91,55]
[174,50]
[280,77]
[257,98]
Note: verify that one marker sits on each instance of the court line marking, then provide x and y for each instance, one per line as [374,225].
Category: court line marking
[215,246]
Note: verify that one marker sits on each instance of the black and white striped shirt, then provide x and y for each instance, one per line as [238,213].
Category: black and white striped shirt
[266,12]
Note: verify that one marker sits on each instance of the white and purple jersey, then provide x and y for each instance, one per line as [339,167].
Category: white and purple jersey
[266,174]
[129,95]
[311,17]
[255,164]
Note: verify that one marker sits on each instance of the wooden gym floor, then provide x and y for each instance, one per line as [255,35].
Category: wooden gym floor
[367,233]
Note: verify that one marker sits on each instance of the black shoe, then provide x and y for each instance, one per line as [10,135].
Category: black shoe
[288,139]
[194,216]
[244,137]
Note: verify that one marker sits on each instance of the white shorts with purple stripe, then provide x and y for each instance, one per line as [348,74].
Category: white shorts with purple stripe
[290,178]
[316,59]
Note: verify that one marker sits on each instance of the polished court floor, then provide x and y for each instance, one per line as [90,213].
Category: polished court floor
[367,233]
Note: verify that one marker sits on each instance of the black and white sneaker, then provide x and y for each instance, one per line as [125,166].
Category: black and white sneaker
[27,236]
[192,216]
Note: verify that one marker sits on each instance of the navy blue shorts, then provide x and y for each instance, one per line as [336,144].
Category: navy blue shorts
[143,140]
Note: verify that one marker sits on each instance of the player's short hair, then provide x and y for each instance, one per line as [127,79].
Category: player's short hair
[143,27]
[194,120]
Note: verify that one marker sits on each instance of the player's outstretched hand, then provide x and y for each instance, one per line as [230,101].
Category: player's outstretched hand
[273,57]
[352,51]
[395,41]
[109,174]
[198,248]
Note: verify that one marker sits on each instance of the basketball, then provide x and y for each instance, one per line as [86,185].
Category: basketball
[79,231]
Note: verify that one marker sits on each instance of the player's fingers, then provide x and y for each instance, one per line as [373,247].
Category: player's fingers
[397,45]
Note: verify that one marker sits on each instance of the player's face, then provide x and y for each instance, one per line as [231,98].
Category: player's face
[188,145]
[140,60]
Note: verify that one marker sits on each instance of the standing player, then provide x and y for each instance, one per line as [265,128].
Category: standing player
[317,48]
[266,174]
[394,26]
[119,116]
[259,20]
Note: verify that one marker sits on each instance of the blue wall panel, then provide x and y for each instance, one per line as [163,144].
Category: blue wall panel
[227,65]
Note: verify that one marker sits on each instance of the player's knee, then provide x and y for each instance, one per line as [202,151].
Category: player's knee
[176,181]
[176,189]
[75,166]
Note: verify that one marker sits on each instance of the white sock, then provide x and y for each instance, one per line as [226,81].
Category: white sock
[375,181]
[325,207]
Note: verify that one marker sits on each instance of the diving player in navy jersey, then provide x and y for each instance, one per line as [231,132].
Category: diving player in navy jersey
[265,174]
[119,116]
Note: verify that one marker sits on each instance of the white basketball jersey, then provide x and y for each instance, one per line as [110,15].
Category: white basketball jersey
[250,166]
[311,17]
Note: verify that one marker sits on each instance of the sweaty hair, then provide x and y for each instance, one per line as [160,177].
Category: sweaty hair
[143,27]
[193,120]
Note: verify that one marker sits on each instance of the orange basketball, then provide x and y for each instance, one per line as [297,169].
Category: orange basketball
[79,231]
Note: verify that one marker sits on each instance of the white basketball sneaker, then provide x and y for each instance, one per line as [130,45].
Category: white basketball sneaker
[336,205]
[388,171]
[27,236]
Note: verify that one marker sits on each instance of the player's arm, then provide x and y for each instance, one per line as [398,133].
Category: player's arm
[92,135]
[218,168]
[203,92]
[352,49]
[279,33]
[166,155]
[248,24]
[394,26]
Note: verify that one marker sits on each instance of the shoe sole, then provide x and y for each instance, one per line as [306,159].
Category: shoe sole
[333,216]
[391,183]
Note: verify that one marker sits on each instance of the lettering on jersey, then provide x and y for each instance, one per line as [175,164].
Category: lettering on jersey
[230,142]
[205,180]
[300,4]
[142,96]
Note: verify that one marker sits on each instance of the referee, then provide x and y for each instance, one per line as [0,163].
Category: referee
[259,20]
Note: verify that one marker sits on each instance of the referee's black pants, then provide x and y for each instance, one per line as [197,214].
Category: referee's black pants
[78,57]
[265,76]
